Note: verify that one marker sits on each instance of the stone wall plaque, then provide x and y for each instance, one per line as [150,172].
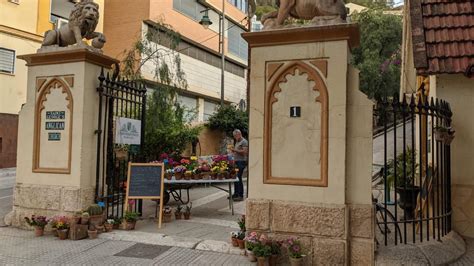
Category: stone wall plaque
[296,142]
[53,127]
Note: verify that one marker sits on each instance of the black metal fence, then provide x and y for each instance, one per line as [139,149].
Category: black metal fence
[412,189]
[118,98]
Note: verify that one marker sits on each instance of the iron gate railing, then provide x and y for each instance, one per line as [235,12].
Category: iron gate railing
[412,191]
[117,98]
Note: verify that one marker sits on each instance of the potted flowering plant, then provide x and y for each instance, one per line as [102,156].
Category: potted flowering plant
[38,222]
[116,221]
[251,241]
[177,213]
[262,252]
[241,223]
[179,171]
[240,239]
[276,251]
[187,211]
[233,238]
[130,218]
[62,225]
[205,171]
[109,225]
[295,252]
[85,218]
[167,212]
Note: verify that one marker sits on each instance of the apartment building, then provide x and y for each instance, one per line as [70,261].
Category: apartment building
[200,56]
[22,26]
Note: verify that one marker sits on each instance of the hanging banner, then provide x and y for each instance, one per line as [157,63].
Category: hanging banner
[127,131]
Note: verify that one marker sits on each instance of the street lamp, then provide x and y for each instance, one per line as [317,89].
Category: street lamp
[205,22]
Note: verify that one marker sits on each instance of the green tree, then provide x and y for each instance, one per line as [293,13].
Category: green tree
[378,57]
[166,126]
[227,118]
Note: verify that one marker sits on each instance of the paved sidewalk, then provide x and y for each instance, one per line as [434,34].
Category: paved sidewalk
[20,247]
[468,258]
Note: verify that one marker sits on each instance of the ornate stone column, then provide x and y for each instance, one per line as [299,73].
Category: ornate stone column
[310,160]
[56,140]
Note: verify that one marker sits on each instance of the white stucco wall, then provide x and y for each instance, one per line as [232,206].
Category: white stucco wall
[459,92]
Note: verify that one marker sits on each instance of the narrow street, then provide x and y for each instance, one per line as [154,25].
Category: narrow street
[379,144]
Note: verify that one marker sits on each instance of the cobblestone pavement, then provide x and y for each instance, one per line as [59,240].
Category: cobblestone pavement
[21,247]
[468,258]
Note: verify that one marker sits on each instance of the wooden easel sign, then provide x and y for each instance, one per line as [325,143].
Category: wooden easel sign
[145,181]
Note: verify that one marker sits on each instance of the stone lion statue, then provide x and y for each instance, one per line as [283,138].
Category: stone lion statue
[318,11]
[82,22]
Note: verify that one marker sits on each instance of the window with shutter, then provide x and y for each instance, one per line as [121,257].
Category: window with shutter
[7,60]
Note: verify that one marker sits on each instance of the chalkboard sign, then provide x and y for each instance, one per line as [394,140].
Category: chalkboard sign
[145,181]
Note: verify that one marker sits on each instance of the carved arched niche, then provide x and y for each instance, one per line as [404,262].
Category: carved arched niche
[53,129]
[309,132]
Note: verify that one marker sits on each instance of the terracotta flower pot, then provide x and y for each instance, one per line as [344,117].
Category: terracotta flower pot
[84,220]
[178,176]
[261,261]
[187,215]
[168,176]
[206,175]
[214,176]
[99,228]
[75,220]
[130,225]
[92,234]
[96,220]
[167,217]
[235,243]
[188,176]
[178,215]
[62,233]
[55,232]
[296,261]
[116,226]
[39,231]
[241,243]
[251,256]
[220,176]
[272,261]
[108,227]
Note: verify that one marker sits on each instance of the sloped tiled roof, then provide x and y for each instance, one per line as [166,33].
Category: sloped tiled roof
[443,35]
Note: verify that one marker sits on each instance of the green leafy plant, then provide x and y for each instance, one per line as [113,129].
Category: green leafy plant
[94,210]
[188,208]
[405,174]
[37,221]
[241,223]
[295,249]
[131,216]
[275,247]
[227,118]
[262,250]
[378,56]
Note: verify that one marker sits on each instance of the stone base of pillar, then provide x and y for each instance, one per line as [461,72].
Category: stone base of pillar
[332,234]
[47,201]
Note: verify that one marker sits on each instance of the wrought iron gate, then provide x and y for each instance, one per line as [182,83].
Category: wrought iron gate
[118,98]
[412,189]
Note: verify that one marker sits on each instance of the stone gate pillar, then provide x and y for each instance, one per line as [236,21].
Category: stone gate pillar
[310,160]
[56,158]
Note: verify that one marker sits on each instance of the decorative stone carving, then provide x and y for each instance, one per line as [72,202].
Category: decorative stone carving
[320,12]
[82,23]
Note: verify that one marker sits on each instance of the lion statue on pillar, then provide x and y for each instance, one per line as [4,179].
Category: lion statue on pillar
[320,12]
[82,23]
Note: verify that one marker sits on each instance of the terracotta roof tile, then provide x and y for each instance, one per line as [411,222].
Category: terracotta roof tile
[448,38]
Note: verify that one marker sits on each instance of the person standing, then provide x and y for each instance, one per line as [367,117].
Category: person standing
[240,151]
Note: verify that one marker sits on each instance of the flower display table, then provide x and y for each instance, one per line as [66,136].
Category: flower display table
[173,187]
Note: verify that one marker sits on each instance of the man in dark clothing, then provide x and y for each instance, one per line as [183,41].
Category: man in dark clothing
[240,151]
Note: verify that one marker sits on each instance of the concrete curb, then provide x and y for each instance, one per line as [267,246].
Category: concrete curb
[448,250]
[173,241]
